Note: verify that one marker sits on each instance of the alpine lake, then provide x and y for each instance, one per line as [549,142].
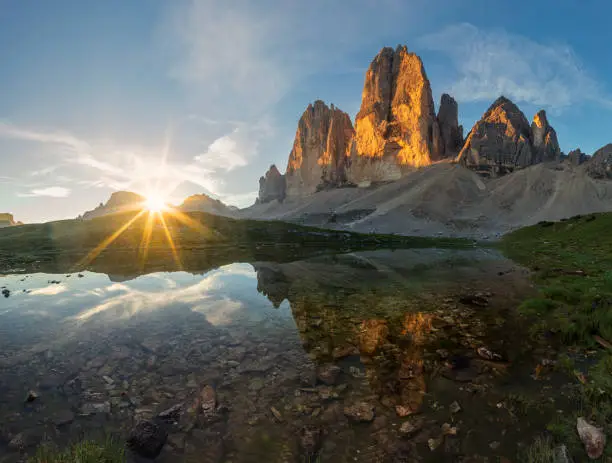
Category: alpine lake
[405,355]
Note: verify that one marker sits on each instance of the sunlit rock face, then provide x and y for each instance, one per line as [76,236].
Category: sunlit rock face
[319,155]
[120,201]
[545,144]
[396,124]
[272,186]
[503,141]
[600,164]
[450,130]
[576,157]
[500,142]
[7,220]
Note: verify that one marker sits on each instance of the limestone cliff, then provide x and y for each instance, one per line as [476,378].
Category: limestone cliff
[600,164]
[500,142]
[576,157]
[544,137]
[396,126]
[7,220]
[319,155]
[272,186]
[450,130]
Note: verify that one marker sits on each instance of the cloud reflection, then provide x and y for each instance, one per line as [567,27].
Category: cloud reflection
[125,301]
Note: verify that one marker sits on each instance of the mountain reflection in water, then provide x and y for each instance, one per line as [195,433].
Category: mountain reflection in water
[354,357]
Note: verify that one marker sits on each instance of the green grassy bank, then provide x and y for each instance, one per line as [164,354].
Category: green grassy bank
[572,265]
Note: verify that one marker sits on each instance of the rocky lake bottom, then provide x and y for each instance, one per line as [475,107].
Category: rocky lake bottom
[398,356]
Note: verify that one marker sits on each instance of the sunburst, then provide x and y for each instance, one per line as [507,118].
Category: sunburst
[157,209]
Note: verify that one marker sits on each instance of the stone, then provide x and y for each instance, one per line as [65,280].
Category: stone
[94,408]
[600,164]
[576,157]
[592,437]
[561,455]
[31,396]
[62,417]
[147,439]
[494,445]
[454,407]
[411,427]
[500,142]
[272,186]
[360,412]
[344,351]
[320,150]
[277,415]
[208,400]
[396,126]
[328,374]
[171,414]
[310,440]
[450,130]
[544,138]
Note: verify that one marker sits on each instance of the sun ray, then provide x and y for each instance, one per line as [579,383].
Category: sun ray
[170,241]
[146,240]
[186,220]
[108,241]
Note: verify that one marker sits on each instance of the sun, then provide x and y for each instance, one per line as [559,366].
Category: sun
[154,202]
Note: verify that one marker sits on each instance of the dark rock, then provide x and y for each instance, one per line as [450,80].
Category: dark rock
[147,439]
[310,439]
[576,157]
[600,164]
[328,374]
[272,186]
[360,411]
[503,141]
[450,130]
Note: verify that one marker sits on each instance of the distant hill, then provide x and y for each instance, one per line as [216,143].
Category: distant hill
[120,201]
[7,220]
[204,203]
[125,201]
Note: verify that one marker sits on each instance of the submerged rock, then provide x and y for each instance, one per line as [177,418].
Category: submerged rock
[209,400]
[360,412]
[147,439]
[328,374]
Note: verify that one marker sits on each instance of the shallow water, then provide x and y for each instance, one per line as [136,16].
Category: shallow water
[293,351]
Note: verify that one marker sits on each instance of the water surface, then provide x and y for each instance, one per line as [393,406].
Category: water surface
[370,356]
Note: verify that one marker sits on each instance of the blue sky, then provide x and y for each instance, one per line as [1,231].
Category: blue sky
[203,95]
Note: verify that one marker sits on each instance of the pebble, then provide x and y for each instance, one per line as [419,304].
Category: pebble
[455,407]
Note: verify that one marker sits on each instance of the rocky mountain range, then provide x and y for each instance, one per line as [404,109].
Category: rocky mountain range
[7,220]
[397,131]
[124,201]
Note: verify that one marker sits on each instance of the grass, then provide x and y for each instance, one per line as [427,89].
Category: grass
[66,243]
[572,262]
[541,451]
[86,451]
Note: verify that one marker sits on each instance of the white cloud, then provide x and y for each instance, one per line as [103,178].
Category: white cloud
[491,63]
[51,192]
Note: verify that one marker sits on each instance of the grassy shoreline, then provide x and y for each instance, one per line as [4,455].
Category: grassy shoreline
[74,245]
[571,262]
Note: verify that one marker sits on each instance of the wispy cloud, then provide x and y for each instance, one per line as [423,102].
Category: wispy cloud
[491,63]
[104,165]
[51,192]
